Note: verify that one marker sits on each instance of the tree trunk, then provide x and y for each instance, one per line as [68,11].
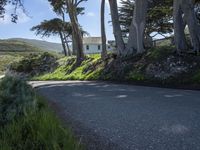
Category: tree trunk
[179,27]
[76,31]
[65,37]
[136,35]
[74,45]
[116,27]
[63,43]
[68,48]
[103,32]
[192,22]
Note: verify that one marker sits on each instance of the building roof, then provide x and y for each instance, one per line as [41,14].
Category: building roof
[92,40]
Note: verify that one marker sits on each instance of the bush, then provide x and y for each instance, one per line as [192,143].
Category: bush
[159,53]
[196,77]
[27,122]
[136,76]
[16,99]
[35,64]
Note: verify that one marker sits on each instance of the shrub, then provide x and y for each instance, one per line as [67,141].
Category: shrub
[35,64]
[136,76]
[27,122]
[16,99]
[196,77]
[159,53]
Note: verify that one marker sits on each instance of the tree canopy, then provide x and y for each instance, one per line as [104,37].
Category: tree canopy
[52,27]
[15,3]
[159,17]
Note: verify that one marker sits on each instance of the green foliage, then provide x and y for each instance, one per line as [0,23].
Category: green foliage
[17,46]
[29,123]
[158,17]
[16,99]
[90,68]
[35,64]
[54,26]
[7,59]
[145,68]
[159,53]
[196,77]
[136,76]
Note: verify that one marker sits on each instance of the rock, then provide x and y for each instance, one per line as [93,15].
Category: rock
[170,67]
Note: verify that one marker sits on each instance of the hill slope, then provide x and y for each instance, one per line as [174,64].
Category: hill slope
[16,46]
[44,45]
[12,50]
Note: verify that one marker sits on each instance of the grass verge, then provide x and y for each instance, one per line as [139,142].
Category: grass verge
[27,122]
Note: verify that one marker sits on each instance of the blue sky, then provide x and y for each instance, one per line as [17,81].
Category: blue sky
[39,10]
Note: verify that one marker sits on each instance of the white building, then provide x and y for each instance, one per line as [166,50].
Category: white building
[93,45]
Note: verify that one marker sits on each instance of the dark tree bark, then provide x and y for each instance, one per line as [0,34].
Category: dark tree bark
[186,8]
[103,32]
[116,27]
[192,22]
[136,35]
[76,31]
[63,44]
[179,27]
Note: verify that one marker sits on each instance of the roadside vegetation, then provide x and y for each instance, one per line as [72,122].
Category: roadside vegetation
[159,66]
[5,60]
[26,121]
[34,64]
[12,51]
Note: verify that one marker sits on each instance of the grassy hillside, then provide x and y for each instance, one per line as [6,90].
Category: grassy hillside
[16,46]
[44,45]
[11,51]
[14,50]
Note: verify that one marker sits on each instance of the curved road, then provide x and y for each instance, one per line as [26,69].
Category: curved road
[123,117]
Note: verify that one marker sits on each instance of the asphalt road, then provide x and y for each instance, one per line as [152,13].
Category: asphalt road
[124,117]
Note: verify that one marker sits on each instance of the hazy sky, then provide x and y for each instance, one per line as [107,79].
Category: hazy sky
[39,10]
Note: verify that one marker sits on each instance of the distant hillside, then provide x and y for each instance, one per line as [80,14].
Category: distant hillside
[12,50]
[16,46]
[44,45]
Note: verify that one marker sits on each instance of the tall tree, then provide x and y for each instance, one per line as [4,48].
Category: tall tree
[179,27]
[197,10]
[55,27]
[158,21]
[72,8]
[136,35]
[16,4]
[185,8]
[116,26]
[103,32]
[60,8]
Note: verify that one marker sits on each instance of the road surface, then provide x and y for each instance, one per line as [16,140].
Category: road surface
[123,117]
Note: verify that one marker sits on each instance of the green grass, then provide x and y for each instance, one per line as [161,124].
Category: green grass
[159,53]
[16,46]
[26,121]
[89,69]
[13,50]
[136,76]
[7,59]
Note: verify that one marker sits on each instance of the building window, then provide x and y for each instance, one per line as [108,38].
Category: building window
[87,47]
[99,47]
[108,47]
